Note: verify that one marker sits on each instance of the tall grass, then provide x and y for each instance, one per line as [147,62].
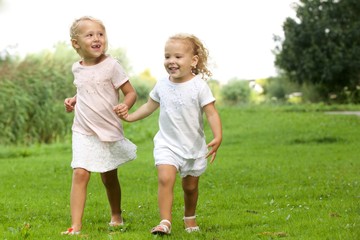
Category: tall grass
[290,173]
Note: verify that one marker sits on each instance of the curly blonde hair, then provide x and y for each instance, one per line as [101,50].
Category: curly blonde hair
[74,29]
[198,49]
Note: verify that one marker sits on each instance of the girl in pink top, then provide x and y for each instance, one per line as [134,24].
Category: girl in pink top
[98,139]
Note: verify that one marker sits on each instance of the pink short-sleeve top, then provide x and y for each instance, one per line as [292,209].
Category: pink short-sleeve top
[97,93]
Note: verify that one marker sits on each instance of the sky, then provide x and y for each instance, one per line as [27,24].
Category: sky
[237,33]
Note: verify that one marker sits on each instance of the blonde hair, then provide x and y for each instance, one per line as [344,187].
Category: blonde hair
[74,29]
[198,49]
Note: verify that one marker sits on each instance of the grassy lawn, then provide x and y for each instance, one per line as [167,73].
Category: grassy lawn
[281,173]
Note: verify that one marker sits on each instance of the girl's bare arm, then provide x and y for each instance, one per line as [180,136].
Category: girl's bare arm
[142,112]
[215,124]
[122,109]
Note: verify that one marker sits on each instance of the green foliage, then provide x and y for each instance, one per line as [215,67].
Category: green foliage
[275,88]
[120,55]
[322,47]
[215,89]
[143,83]
[30,106]
[236,91]
[314,92]
[279,172]
[279,88]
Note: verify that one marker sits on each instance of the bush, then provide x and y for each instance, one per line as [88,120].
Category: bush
[143,84]
[32,100]
[236,91]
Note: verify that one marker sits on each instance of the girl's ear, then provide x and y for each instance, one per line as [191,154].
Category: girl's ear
[195,60]
[74,43]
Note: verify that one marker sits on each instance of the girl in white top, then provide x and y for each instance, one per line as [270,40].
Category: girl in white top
[180,144]
[98,139]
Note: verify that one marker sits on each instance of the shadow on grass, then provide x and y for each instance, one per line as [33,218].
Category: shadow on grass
[321,140]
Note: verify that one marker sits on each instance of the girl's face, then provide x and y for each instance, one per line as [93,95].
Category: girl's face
[91,41]
[179,60]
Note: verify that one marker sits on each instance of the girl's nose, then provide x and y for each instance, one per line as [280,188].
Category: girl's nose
[171,60]
[97,37]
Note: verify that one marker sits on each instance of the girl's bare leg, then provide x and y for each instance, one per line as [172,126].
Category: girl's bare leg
[113,191]
[80,181]
[166,182]
[191,191]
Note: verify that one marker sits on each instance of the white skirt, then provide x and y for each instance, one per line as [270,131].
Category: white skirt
[96,156]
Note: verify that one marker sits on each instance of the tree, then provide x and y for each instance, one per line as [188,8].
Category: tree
[322,46]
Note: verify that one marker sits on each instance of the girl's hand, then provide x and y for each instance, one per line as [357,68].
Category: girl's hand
[121,110]
[214,145]
[69,104]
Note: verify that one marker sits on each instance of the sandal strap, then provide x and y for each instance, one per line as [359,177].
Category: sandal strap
[165,221]
[162,228]
[116,224]
[192,229]
[70,231]
[189,218]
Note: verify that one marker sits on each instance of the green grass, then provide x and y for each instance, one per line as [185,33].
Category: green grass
[281,173]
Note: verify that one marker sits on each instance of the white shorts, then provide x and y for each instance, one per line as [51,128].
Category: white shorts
[186,167]
[96,156]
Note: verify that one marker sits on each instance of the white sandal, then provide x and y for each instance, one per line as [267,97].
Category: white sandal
[116,224]
[70,231]
[162,229]
[190,229]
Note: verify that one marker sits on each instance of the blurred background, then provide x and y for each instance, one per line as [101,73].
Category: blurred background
[262,52]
